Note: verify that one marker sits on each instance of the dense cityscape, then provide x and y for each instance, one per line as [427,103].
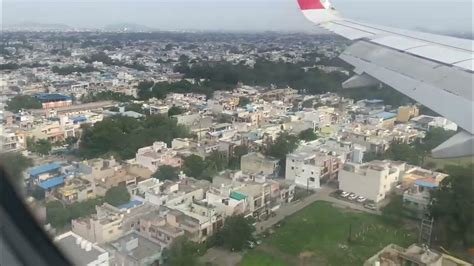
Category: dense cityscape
[170,148]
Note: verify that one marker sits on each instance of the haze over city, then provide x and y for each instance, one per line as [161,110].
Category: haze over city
[232,15]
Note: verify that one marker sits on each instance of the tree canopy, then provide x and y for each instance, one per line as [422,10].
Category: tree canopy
[20,102]
[308,135]
[237,230]
[243,101]
[175,110]
[182,252]
[199,168]
[15,164]
[117,196]
[453,207]
[41,146]
[282,146]
[59,215]
[167,172]
[106,96]
[123,136]
[67,70]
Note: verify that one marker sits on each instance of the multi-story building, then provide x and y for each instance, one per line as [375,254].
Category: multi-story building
[134,249]
[158,154]
[81,251]
[370,180]
[308,169]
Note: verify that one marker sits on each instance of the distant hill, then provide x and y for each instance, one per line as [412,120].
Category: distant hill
[128,27]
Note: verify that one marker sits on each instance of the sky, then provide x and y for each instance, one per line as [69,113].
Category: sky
[236,15]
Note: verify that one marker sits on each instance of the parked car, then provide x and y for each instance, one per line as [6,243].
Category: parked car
[361,199]
[344,194]
[370,206]
[352,196]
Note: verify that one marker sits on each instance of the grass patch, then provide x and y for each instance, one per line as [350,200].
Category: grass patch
[260,258]
[323,230]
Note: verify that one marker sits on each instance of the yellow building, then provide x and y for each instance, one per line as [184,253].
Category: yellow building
[405,113]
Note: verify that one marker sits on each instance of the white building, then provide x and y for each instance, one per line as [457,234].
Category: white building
[80,251]
[304,169]
[371,180]
[158,154]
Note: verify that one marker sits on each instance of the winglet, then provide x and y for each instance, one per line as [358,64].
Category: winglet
[318,11]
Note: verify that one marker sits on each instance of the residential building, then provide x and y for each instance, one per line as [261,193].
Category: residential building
[426,122]
[308,169]
[371,180]
[134,249]
[405,113]
[82,252]
[257,163]
[418,184]
[152,157]
[393,255]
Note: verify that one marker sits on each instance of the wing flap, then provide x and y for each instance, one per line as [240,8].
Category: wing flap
[441,54]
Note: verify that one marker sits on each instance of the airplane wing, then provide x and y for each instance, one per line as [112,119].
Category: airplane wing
[436,71]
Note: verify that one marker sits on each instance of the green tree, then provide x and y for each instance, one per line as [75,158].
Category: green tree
[194,166]
[217,161]
[452,207]
[282,146]
[308,135]
[15,164]
[175,110]
[117,196]
[42,146]
[167,172]
[20,102]
[57,214]
[123,136]
[182,252]
[243,101]
[394,212]
[239,151]
[403,152]
[234,235]
[37,193]
[307,104]
[433,138]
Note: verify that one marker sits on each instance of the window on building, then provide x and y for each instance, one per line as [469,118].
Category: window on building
[312,179]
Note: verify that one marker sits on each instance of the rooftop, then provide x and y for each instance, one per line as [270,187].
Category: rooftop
[70,244]
[44,169]
[137,246]
[52,182]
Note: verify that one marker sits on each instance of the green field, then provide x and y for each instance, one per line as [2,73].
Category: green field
[321,232]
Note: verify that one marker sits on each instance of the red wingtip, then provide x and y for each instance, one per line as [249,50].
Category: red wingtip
[310,4]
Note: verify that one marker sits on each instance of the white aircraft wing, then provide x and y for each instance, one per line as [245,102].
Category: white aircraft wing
[436,71]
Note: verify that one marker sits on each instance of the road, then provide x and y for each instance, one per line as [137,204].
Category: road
[322,194]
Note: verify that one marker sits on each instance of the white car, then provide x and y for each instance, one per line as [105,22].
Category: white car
[352,196]
[345,194]
[361,199]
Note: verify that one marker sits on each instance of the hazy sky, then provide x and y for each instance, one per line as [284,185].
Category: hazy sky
[453,15]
